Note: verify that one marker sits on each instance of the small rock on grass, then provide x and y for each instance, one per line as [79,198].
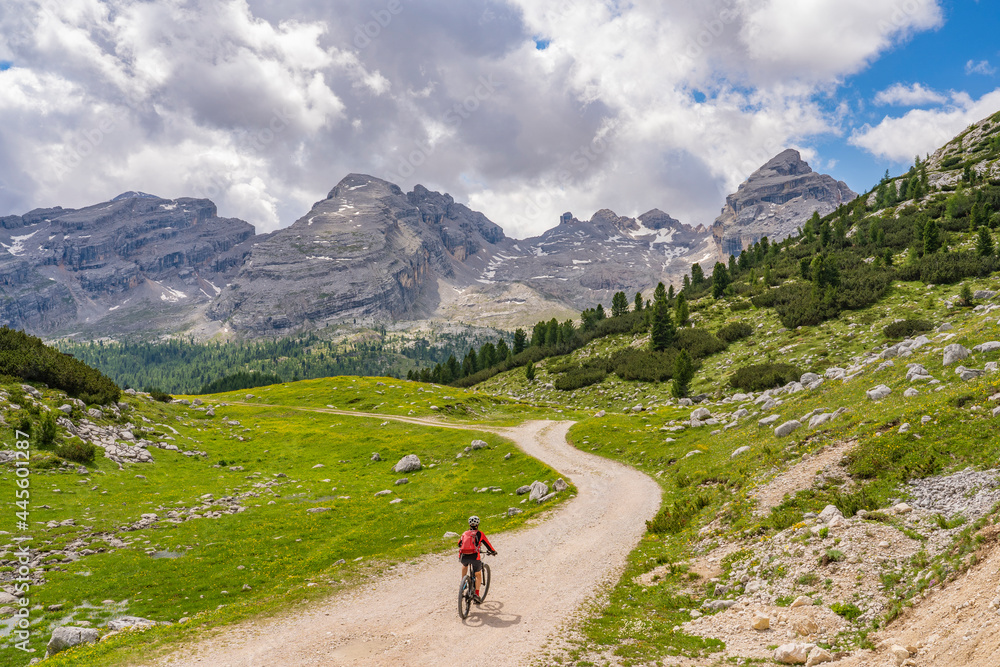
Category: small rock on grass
[787,428]
[560,485]
[739,452]
[450,535]
[65,637]
[513,511]
[408,463]
[506,457]
[521,490]
[401,481]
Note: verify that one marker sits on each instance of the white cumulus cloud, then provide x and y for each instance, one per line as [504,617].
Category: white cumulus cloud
[922,131]
[980,67]
[909,96]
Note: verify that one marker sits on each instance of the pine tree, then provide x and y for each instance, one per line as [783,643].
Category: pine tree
[520,341]
[662,330]
[670,293]
[529,372]
[638,302]
[683,374]
[984,245]
[932,237]
[681,311]
[619,304]
[697,275]
[720,280]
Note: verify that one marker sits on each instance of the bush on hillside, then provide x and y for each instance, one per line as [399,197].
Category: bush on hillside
[734,331]
[737,306]
[76,450]
[906,328]
[160,396]
[698,342]
[947,268]
[29,359]
[580,377]
[764,376]
[642,365]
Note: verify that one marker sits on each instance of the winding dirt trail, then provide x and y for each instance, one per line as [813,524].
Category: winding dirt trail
[542,575]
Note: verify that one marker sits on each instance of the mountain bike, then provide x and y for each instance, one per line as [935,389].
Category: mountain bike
[468,586]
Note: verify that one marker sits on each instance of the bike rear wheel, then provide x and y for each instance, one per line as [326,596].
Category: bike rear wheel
[465,591]
[486,581]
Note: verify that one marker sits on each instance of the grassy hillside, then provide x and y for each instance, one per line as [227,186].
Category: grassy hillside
[233,534]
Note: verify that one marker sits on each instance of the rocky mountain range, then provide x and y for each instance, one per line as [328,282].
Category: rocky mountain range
[774,202]
[366,253]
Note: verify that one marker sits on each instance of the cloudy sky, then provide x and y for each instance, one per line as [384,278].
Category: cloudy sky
[521,108]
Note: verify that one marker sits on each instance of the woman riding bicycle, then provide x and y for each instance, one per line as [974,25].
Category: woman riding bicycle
[468,553]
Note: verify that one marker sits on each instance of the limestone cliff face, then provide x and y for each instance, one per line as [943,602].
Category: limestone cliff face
[64,268]
[367,250]
[775,201]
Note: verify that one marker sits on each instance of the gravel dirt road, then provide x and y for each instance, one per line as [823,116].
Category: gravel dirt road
[542,575]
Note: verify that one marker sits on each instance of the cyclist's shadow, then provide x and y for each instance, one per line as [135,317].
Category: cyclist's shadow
[491,613]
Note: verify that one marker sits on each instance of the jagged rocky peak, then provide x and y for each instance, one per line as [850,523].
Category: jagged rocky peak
[361,184]
[774,202]
[657,219]
[134,194]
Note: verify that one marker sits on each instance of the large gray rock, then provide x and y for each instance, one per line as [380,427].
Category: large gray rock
[787,428]
[559,485]
[701,414]
[774,202]
[983,295]
[828,514]
[65,637]
[809,378]
[740,451]
[479,444]
[992,346]
[767,421]
[409,463]
[521,490]
[538,490]
[129,622]
[878,393]
[953,353]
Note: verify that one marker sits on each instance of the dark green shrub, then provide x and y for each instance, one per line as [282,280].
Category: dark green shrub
[734,332]
[643,365]
[76,450]
[677,516]
[737,306]
[764,376]
[580,377]
[950,162]
[239,380]
[906,328]
[698,342]
[160,396]
[47,429]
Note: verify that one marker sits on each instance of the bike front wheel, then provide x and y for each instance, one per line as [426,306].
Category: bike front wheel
[465,591]
[486,581]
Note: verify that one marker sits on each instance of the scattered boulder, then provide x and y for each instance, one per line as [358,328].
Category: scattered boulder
[818,656]
[806,627]
[983,295]
[537,490]
[600,414]
[129,622]
[968,373]
[521,490]
[546,497]
[376,457]
[809,378]
[793,654]
[760,622]
[479,444]
[820,419]
[560,485]
[910,393]
[767,421]
[878,393]
[514,511]
[317,510]
[685,402]
[787,428]
[408,463]
[992,346]
[828,513]
[66,409]
[383,493]
[450,535]
[701,414]
[953,353]
[718,605]
[401,481]
[65,637]
[801,601]
[739,452]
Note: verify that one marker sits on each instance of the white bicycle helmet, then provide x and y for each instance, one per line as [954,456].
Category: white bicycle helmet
[473,522]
